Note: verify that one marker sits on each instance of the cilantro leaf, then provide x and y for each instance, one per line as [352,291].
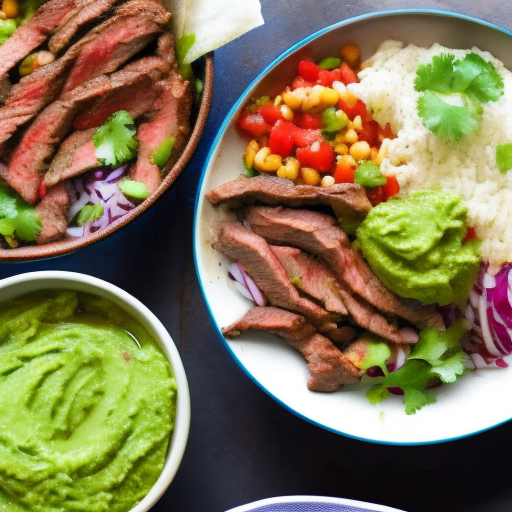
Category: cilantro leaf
[504,157]
[437,355]
[450,122]
[471,80]
[115,139]
[17,217]
[368,175]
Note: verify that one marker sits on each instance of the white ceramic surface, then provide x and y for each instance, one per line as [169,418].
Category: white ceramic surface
[311,504]
[478,401]
[15,286]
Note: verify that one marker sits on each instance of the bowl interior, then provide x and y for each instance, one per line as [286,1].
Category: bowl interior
[476,402]
[32,281]
[199,117]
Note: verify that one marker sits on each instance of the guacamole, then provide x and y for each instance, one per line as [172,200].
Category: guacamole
[416,245]
[87,405]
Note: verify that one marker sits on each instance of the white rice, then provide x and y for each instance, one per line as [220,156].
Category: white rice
[420,160]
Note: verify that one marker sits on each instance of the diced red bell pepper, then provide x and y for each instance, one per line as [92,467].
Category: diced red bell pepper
[357,109]
[270,113]
[308,70]
[318,156]
[307,121]
[344,172]
[390,188]
[470,234]
[348,75]
[253,122]
[303,137]
[280,140]
[370,133]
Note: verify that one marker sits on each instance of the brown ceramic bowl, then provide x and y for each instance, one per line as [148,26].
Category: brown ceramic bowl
[67,245]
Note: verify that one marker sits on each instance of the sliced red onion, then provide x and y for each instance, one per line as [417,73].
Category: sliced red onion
[100,186]
[244,282]
[490,312]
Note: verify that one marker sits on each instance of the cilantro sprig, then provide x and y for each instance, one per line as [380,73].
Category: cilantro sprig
[18,219]
[454,92]
[437,355]
[115,140]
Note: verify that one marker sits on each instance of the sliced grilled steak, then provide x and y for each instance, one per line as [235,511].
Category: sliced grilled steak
[52,210]
[34,32]
[329,368]
[76,155]
[89,10]
[258,260]
[348,200]
[319,234]
[170,118]
[134,99]
[122,36]
[31,94]
[311,276]
[49,128]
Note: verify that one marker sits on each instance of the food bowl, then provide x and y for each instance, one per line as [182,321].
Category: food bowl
[203,69]
[36,282]
[475,403]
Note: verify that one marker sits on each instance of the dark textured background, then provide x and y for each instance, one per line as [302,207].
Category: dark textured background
[243,446]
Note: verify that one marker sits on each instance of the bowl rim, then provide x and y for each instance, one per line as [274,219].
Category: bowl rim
[230,116]
[257,506]
[69,245]
[27,282]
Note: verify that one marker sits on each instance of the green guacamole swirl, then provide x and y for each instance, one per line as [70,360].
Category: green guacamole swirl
[87,405]
[415,245]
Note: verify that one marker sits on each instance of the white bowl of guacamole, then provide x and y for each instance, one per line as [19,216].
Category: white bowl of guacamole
[94,399]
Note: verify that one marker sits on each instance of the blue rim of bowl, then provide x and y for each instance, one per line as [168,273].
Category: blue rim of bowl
[220,134]
[325,503]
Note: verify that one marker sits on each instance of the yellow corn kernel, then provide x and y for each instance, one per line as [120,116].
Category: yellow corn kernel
[351,54]
[327,181]
[357,123]
[360,150]
[383,151]
[250,152]
[295,98]
[341,148]
[278,100]
[10,8]
[351,136]
[349,160]
[287,112]
[310,176]
[320,98]
[348,97]
[373,154]
[289,169]
[267,162]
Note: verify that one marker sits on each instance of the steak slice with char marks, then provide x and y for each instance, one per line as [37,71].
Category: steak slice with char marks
[169,118]
[31,94]
[89,10]
[52,211]
[313,276]
[76,155]
[348,200]
[115,41]
[328,367]
[319,234]
[252,251]
[48,129]
[30,35]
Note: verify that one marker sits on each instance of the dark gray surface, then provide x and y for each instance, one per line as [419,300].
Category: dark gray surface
[243,446]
